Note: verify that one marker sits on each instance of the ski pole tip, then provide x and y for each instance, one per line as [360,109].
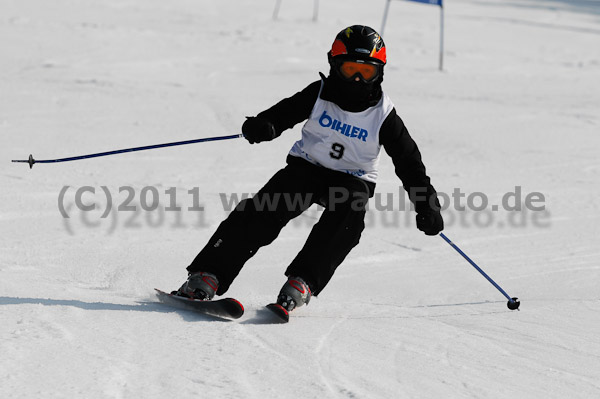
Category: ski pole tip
[513,304]
[30,161]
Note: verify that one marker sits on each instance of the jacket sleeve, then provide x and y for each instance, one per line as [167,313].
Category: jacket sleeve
[409,167]
[292,110]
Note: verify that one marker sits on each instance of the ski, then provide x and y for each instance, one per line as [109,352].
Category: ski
[282,314]
[227,308]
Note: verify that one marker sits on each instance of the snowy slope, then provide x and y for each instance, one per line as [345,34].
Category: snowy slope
[405,316]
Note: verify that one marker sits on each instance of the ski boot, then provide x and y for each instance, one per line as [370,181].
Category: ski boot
[294,293]
[200,285]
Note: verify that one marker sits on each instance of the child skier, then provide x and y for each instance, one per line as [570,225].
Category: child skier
[334,164]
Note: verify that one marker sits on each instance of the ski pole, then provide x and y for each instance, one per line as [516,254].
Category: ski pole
[32,161]
[513,303]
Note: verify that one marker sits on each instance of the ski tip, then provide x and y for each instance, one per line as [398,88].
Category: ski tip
[238,303]
[227,308]
[280,311]
[236,309]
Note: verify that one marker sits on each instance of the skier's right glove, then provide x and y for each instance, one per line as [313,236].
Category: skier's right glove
[430,222]
[257,130]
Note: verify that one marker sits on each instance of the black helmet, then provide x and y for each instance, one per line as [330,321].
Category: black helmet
[359,42]
[362,45]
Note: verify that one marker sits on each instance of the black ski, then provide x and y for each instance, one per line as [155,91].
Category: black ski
[282,314]
[227,308]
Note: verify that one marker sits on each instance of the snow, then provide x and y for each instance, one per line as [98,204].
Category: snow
[405,316]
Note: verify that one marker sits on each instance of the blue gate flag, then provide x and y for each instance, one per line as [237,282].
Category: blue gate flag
[432,2]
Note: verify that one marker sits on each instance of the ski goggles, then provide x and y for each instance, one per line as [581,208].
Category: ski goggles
[350,70]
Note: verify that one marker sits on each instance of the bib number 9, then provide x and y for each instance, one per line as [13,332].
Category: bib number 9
[337,151]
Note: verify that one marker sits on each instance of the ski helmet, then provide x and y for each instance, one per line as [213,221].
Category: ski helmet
[358,53]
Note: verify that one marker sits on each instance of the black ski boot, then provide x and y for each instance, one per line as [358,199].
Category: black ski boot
[294,293]
[200,285]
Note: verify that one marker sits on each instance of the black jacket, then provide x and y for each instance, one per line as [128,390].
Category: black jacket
[393,136]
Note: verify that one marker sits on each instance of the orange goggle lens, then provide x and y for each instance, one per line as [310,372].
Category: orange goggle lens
[350,68]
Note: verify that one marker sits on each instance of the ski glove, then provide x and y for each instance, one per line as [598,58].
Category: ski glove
[257,130]
[430,222]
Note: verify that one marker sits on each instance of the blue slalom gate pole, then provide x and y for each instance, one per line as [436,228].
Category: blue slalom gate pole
[32,161]
[513,303]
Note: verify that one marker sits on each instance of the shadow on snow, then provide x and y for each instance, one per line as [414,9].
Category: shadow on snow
[138,307]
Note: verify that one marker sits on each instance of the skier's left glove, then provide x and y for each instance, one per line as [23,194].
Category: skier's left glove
[257,130]
[430,222]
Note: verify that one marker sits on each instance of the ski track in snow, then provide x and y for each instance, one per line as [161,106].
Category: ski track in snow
[405,316]
[324,360]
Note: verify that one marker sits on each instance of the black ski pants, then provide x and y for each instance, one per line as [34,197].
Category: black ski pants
[257,221]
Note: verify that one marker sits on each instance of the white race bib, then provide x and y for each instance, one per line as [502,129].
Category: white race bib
[342,140]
